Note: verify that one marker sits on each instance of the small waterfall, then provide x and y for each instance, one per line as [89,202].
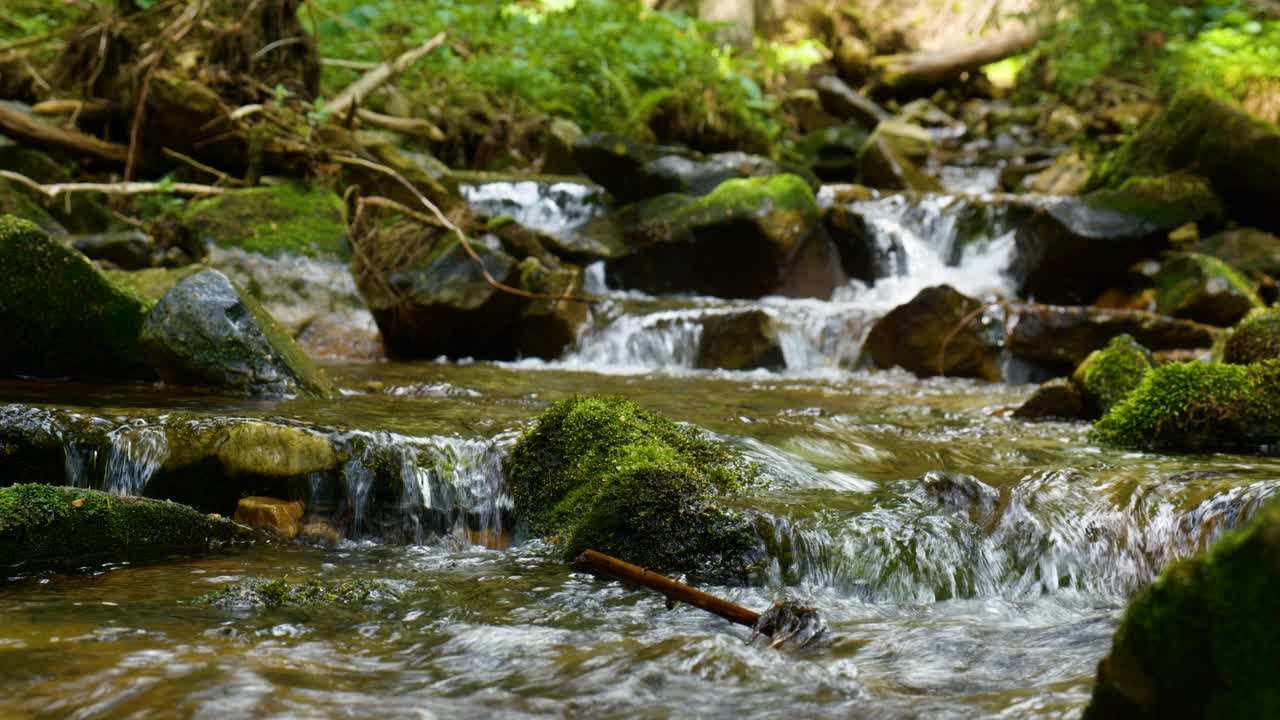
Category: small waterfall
[554,208]
[137,450]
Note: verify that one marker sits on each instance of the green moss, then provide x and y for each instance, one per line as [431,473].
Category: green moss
[782,206]
[19,203]
[1107,375]
[152,283]
[280,593]
[603,473]
[312,380]
[273,221]
[1199,407]
[1256,338]
[1203,288]
[1202,641]
[59,315]
[1167,201]
[46,524]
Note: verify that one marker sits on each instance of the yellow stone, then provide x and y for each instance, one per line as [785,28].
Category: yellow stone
[258,448]
[280,516]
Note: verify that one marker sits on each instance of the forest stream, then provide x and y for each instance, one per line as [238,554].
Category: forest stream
[969,564]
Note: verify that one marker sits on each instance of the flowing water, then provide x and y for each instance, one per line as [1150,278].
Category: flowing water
[970,565]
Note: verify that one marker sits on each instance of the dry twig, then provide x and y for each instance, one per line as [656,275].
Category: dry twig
[122,188]
[356,92]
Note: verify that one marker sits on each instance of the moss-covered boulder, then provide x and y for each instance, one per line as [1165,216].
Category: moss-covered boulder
[1248,250]
[1255,339]
[1202,288]
[1167,202]
[1202,641]
[1057,399]
[1199,407]
[1109,374]
[59,315]
[277,220]
[602,473]
[937,333]
[206,332]
[881,166]
[1205,133]
[747,238]
[43,524]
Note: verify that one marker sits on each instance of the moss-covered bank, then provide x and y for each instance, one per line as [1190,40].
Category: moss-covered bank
[43,524]
[279,220]
[1199,407]
[604,474]
[1202,641]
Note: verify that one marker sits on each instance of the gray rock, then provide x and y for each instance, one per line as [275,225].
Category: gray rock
[128,250]
[846,103]
[206,332]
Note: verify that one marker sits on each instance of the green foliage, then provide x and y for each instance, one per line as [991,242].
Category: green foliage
[1164,44]
[608,66]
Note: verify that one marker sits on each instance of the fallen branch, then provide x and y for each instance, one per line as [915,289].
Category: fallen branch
[609,565]
[404,126]
[453,227]
[356,92]
[76,108]
[124,188]
[936,67]
[46,137]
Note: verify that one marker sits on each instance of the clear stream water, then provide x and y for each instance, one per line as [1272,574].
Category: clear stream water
[993,602]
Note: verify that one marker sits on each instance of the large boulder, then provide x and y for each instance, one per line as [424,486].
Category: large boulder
[1199,407]
[633,171]
[739,340]
[602,473]
[748,238]
[1202,641]
[1109,374]
[1058,338]
[1206,134]
[60,315]
[1202,288]
[882,166]
[206,332]
[1165,202]
[939,332]
[275,220]
[46,525]
[1255,339]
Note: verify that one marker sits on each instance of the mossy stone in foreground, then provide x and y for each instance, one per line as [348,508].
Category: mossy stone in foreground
[604,474]
[59,315]
[1195,406]
[45,524]
[1255,339]
[1204,640]
[273,221]
[1107,375]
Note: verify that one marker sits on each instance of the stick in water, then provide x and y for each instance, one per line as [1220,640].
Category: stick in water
[609,565]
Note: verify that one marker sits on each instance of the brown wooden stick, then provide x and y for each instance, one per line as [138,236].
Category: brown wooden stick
[356,92]
[124,188]
[46,137]
[609,565]
[935,67]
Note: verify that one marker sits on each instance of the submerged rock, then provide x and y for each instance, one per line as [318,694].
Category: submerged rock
[60,315]
[1202,641]
[1108,375]
[912,336]
[1255,339]
[1199,407]
[42,524]
[1204,289]
[603,474]
[280,593]
[282,517]
[1057,399]
[206,332]
[746,239]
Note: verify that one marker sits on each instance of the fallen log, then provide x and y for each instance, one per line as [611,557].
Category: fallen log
[609,565]
[927,69]
[43,136]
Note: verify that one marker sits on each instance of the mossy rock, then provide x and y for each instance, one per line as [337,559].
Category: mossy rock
[207,332]
[747,238]
[1106,376]
[20,203]
[60,315]
[43,524]
[1202,641]
[604,474]
[1167,202]
[881,166]
[152,283]
[274,221]
[1248,250]
[1255,339]
[281,593]
[1199,407]
[1203,288]
[1056,399]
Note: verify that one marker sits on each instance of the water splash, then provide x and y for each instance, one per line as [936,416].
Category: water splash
[555,208]
[137,451]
